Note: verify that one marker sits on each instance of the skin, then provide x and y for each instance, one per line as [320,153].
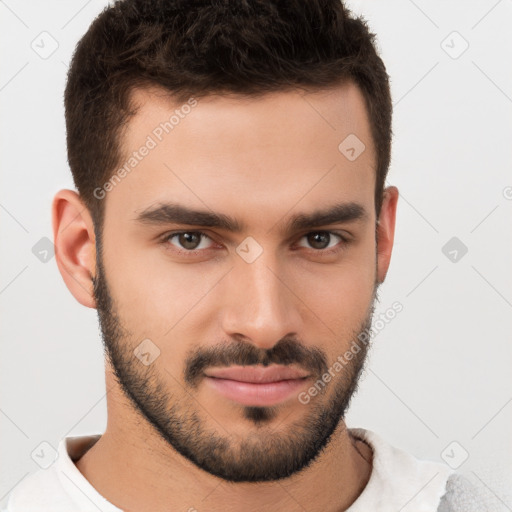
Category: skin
[259,160]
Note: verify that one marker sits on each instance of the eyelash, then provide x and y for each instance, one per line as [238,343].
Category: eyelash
[165,240]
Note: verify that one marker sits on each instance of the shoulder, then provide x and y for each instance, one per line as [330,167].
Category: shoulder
[60,487]
[37,490]
[464,495]
[399,480]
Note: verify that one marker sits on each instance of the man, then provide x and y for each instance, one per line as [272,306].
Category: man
[231,228]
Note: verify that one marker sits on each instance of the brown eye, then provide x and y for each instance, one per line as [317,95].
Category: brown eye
[187,240]
[321,240]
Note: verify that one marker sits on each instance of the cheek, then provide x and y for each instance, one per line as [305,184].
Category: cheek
[338,295]
[157,300]
[155,294]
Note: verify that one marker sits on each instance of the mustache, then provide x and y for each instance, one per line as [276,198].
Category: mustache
[285,352]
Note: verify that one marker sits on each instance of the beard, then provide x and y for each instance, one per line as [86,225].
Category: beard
[266,454]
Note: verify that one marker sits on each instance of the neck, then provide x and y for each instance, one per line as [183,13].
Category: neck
[136,470]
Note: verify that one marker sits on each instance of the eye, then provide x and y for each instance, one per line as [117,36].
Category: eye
[192,241]
[322,240]
[188,240]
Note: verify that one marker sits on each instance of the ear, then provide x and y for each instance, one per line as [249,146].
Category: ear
[75,245]
[386,231]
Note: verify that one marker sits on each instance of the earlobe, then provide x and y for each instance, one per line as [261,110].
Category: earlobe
[75,245]
[386,231]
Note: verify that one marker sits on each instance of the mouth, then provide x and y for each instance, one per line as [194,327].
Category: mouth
[256,385]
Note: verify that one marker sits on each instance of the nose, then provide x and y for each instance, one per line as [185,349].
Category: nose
[259,304]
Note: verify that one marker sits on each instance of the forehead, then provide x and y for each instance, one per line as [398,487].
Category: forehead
[264,154]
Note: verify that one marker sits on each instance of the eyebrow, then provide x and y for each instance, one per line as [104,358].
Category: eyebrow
[172,213]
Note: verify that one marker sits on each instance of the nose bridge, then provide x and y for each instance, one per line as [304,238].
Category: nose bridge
[258,304]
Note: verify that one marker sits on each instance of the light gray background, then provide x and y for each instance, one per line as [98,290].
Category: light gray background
[439,372]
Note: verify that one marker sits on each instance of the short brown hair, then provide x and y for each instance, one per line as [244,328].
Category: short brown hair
[199,47]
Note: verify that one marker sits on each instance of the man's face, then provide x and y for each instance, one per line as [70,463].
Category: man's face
[177,311]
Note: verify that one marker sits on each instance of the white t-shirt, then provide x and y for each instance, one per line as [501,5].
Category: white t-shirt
[399,481]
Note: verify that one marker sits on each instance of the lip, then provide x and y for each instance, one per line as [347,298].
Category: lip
[256,386]
[257,374]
